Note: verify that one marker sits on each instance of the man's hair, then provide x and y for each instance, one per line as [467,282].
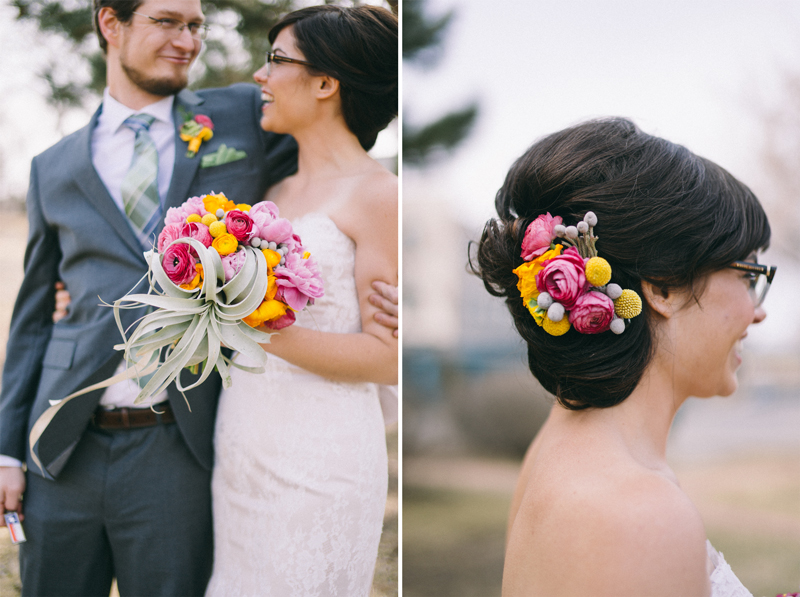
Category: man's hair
[124,10]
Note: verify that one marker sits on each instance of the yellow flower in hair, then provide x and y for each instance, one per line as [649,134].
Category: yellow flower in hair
[527,279]
[598,271]
[556,328]
[528,270]
[538,315]
[628,305]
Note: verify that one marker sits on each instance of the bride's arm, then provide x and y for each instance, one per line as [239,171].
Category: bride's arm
[370,219]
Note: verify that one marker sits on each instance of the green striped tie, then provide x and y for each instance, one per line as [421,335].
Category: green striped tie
[140,185]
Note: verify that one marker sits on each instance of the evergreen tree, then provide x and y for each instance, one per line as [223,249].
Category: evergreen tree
[422,45]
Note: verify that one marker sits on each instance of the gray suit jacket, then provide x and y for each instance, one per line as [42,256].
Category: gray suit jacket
[79,235]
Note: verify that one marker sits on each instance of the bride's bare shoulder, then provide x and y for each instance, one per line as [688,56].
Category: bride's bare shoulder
[622,530]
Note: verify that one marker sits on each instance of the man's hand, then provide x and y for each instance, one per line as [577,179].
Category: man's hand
[62,302]
[386,298]
[12,485]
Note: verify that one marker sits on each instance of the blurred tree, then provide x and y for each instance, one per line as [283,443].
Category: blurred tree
[422,45]
[780,156]
[237,40]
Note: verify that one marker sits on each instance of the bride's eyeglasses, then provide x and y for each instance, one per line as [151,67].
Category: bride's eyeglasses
[174,27]
[272,58]
[760,278]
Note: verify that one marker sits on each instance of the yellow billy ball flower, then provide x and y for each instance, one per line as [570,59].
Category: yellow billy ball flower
[598,271]
[556,328]
[217,229]
[192,218]
[208,219]
[628,305]
[225,244]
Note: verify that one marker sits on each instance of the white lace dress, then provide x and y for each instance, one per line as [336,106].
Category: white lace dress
[723,581]
[300,477]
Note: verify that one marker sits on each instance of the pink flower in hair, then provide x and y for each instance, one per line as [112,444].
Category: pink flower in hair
[539,235]
[563,278]
[592,313]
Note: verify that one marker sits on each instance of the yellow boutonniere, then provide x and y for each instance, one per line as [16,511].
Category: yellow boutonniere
[195,131]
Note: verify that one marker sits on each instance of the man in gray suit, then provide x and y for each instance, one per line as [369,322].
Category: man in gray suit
[124,492]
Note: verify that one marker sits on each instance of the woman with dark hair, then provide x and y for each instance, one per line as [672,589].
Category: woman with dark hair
[300,479]
[629,267]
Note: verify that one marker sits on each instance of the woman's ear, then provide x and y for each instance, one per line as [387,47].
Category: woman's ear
[326,87]
[660,300]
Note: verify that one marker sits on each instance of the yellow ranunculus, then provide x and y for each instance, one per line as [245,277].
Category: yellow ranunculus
[225,244]
[197,280]
[243,207]
[527,279]
[214,202]
[272,288]
[268,310]
[273,257]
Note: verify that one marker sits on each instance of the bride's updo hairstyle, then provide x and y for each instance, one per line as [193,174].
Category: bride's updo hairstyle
[664,215]
[358,46]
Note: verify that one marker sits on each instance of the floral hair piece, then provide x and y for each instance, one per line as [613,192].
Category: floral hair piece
[565,284]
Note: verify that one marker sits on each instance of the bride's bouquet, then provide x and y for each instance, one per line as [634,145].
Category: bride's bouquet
[219,271]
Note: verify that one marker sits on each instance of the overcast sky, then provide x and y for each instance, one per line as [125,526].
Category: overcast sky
[697,72]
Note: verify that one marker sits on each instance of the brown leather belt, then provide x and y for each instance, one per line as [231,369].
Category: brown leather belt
[132,418]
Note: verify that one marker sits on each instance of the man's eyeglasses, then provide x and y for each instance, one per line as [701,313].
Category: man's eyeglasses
[760,278]
[174,27]
[272,58]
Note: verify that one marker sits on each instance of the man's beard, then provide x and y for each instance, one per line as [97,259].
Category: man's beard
[159,87]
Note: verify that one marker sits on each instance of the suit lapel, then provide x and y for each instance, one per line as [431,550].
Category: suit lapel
[87,179]
[185,168]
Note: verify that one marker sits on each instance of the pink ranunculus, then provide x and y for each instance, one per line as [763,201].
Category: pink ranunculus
[198,232]
[563,278]
[240,225]
[178,215]
[267,223]
[233,263]
[169,233]
[204,120]
[284,321]
[178,263]
[538,236]
[592,313]
[299,281]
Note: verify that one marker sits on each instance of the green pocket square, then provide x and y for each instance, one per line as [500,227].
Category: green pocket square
[223,155]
